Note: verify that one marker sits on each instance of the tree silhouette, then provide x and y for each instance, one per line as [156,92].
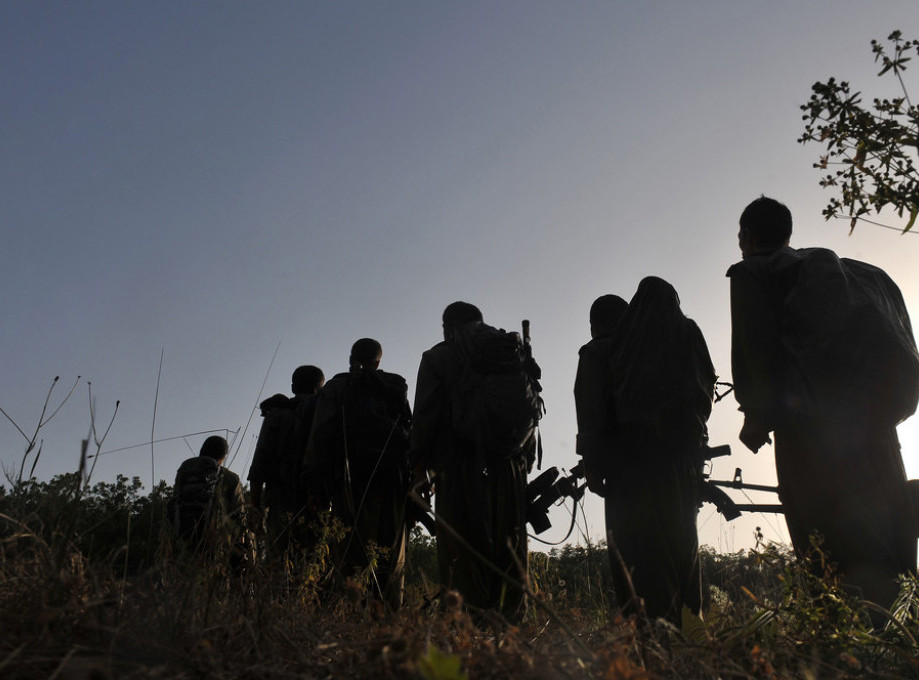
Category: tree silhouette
[871,149]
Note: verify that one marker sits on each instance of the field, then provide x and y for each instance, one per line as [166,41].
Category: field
[92,587]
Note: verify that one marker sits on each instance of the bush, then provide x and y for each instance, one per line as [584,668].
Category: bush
[102,593]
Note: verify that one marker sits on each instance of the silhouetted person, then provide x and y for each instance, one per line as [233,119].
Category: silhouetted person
[278,485]
[359,449]
[208,507]
[663,386]
[797,358]
[593,391]
[479,471]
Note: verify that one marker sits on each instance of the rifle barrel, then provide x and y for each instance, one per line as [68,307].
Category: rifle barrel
[755,507]
[730,484]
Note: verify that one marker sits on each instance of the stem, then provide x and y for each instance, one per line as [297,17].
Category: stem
[156,398]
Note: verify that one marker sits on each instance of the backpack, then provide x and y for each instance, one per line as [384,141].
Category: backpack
[376,421]
[194,496]
[289,421]
[847,336]
[496,404]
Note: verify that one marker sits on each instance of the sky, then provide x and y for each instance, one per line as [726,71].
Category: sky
[198,197]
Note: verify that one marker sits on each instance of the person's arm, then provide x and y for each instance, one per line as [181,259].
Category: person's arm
[265,450]
[430,401]
[755,354]
[323,466]
[594,415]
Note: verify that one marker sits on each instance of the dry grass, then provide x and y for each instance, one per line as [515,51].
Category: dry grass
[90,588]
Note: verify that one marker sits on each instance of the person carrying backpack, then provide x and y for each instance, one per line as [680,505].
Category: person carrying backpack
[358,454]
[477,407]
[207,510]
[279,487]
[824,358]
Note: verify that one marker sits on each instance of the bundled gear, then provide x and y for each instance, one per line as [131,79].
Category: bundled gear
[847,336]
[376,421]
[496,402]
[358,448]
[279,454]
[195,495]
[279,482]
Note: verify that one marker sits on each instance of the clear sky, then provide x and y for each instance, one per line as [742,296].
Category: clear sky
[210,181]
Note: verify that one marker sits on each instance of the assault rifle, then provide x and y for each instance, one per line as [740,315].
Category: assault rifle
[738,483]
[541,494]
[549,487]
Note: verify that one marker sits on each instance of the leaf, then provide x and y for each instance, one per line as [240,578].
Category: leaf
[693,626]
[746,591]
[435,665]
[912,219]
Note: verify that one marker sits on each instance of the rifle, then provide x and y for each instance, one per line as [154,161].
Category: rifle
[541,493]
[548,488]
[530,365]
[532,369]
[738,483]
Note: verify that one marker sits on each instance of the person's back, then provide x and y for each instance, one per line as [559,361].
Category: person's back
[195,498]
[663,385]
[593,391]
[845,342]
[279,484]
[838,461]
[480,492]
[207,510]
[358,448]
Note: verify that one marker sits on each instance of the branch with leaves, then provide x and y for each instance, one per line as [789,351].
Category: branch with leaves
[872,150]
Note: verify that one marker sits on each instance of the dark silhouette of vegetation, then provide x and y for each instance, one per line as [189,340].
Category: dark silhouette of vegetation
[871,149]
[120,603]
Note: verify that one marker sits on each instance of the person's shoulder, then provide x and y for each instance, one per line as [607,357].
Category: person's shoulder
[759,264]
[231,477]
[602,345]
[439,348]
[439,353]
[273,403]
[336,382]
[195,468]
[393,379]
[189,463]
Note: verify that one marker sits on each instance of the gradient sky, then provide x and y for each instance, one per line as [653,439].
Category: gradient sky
[210,181]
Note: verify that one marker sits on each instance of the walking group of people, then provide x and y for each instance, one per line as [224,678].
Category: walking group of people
[823,359]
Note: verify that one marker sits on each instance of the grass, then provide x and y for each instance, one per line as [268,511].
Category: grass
[92,587]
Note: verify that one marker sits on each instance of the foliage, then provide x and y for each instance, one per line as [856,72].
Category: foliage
[421,559]
[574,578]
[63,557]
[872,148]
[101,522]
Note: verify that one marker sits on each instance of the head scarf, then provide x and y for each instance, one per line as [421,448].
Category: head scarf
[662,371]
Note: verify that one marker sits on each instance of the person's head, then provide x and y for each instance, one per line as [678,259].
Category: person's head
[656,296]
[214,447]
[459,314]
[765,226]
[605,313]
[306,380]
[366,353]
